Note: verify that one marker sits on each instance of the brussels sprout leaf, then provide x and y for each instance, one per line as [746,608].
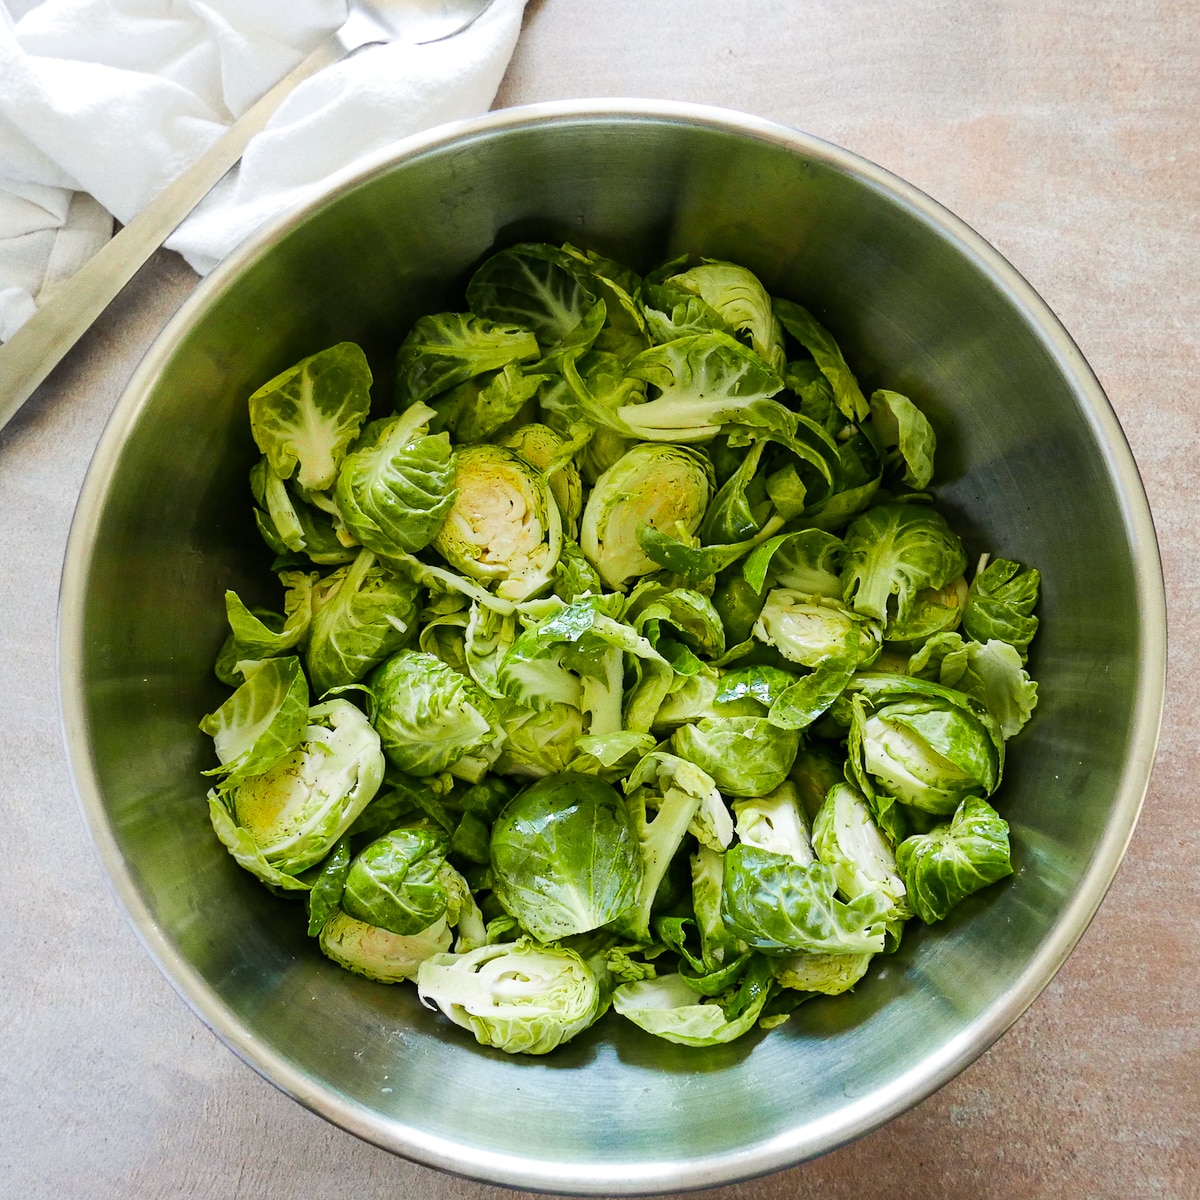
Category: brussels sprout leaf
[305,419]
[775,905]
[955,859]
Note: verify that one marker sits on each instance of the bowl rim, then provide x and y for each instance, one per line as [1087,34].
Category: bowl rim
[810,1139]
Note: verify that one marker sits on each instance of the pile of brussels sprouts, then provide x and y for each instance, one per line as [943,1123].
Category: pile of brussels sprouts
[626,664]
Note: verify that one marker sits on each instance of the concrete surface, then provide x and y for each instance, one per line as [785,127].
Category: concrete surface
[1067,134]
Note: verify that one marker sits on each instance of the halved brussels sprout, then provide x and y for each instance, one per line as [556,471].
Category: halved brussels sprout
[663,486]
[810,629]
[288,818]
[775,822]
[923,744]
[829,974]
[377,953]
[520,997]
[544,449]
[542,742]
[849,842]
[504,527]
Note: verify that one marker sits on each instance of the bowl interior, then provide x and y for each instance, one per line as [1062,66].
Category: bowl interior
[1031,466]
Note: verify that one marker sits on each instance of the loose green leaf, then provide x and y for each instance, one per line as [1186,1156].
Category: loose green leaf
[967,853]
[305,419]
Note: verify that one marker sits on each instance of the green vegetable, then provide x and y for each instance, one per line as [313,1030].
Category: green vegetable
[305,419]
[953,860]
[450,348]
[565,856]
[503,527]
[894,551]
[430,718]
[255,635]
[362,613]
[779,906]
[669,1008]
[1001,603]
[663,487]
[847,840]
[543,289]
[651,678]
[904,429]
[378,953]
[397,485]
[261,722]
[742,303]
[395,882]
[747,756]
[517,996]
[922,744]
[288,818]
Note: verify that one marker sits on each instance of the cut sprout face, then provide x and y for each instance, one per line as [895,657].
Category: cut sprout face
[504,526]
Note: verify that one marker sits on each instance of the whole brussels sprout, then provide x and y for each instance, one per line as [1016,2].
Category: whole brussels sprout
[664,486]
[565,856]
[395,882]
[361,613]
[397,485]
[504,527]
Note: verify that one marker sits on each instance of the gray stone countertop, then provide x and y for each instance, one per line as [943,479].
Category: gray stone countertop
[1068,135]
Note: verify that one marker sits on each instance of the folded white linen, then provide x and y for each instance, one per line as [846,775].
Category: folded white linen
[104,102]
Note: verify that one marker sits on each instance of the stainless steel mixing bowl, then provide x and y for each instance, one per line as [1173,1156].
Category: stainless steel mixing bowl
[1033,466]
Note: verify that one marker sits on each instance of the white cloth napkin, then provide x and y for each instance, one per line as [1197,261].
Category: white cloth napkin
[104,102]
